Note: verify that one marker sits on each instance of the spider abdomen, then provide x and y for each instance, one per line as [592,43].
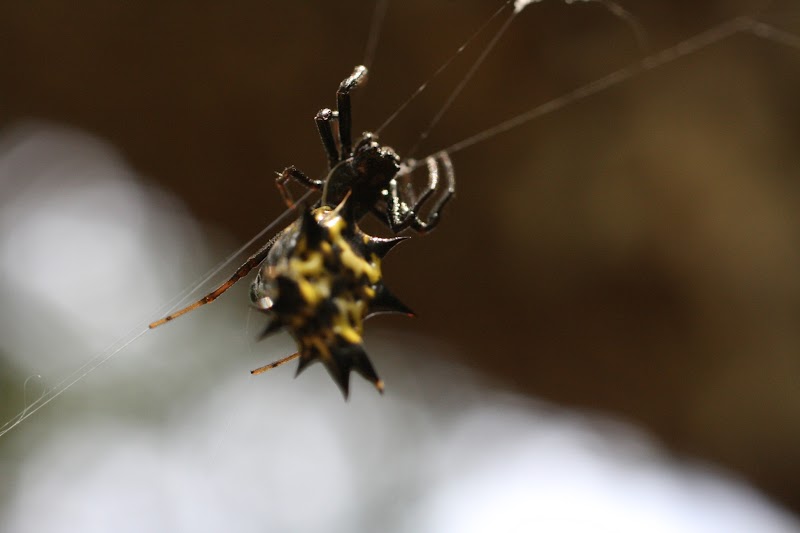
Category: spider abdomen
[321,280]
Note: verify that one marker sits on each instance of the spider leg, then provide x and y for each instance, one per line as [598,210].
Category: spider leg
[252,261]
[292,173]
[401,215]
[323,120]
[276,364]
[449,184]
[356,79]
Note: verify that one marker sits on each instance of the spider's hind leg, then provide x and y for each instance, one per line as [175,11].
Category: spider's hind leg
[252,262]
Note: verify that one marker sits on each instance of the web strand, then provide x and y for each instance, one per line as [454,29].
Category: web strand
[444,66]
[771,33]
[135,333]
[378,16]
[463,83]
[689,46]
[519,5]
[626,16]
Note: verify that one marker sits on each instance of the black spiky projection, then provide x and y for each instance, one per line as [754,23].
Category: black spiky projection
[320,281]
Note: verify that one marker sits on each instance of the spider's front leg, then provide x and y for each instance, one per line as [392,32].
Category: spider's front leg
[290,173]
[402,214]
[323,120]
[357,79]
[343,115]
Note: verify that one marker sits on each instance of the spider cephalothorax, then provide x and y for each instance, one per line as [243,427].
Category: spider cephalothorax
[372,173]
[366,176]
[321,279]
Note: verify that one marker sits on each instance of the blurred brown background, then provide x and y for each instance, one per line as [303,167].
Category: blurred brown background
[634,253]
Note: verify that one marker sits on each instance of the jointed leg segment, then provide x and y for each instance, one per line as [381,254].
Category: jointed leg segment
[276,364]
[252,262]
[293,173]
[401,215]
[356,79]
[323,120]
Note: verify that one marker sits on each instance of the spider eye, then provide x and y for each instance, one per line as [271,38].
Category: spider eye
[367,144]
[389,153]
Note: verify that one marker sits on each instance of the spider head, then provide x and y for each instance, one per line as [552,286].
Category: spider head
[377,163]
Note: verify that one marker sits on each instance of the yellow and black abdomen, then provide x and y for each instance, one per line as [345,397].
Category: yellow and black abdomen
[320,281]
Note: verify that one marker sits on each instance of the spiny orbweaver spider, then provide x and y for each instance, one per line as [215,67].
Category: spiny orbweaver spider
[320,278]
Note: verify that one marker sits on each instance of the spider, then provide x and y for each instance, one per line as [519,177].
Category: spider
[320,277]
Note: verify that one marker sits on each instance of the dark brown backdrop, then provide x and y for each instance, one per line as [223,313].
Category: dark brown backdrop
[634,253]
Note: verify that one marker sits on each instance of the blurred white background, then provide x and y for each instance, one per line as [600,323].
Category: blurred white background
[173,434]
